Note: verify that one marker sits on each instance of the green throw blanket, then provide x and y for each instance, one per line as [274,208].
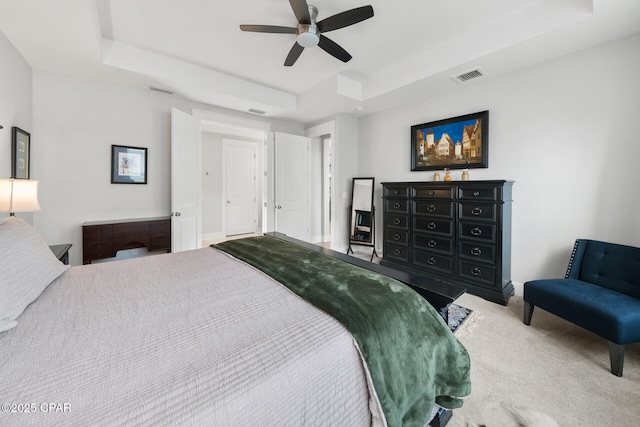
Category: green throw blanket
[413,358]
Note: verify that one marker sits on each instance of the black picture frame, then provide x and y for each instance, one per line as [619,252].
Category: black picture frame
[128,165]
[456,143]
[20,153]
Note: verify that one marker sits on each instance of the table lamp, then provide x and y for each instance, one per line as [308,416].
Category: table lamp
[18,195]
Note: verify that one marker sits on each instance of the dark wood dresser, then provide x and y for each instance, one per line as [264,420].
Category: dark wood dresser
[459,231]
[103,239]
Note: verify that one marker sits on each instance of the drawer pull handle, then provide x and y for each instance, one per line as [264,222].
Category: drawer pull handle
[476,251]
[476,193]
[431,208]
[431,261]
[432,193]
[431,226]
[397,237]
[396,192]
[476,211]
[396,221]
[397,205]
[432,243]
[476,271]
[397,252]
[476,231]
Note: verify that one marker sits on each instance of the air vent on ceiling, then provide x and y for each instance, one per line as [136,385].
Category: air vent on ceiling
[160,89]
[256,111]
[469,75]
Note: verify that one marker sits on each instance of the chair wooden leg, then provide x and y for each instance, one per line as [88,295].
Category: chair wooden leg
[616,354]
[528,312]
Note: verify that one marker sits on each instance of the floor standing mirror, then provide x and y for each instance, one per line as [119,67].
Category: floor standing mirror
[362,215]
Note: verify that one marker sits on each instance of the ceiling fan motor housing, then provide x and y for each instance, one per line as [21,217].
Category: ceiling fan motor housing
[308,35]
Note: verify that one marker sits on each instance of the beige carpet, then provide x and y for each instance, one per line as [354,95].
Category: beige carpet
[551,366]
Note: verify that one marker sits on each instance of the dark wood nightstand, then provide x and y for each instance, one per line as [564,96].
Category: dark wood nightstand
[61,252]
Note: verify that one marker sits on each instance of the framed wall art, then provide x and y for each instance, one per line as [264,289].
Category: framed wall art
[20,154]
[456,143]
[128,165]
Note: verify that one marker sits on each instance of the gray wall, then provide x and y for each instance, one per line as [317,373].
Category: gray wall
[564,130]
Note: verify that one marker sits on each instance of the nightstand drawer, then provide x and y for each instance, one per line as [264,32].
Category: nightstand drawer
[97,230]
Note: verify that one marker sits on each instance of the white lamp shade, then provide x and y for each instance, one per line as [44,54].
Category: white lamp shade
[19,195]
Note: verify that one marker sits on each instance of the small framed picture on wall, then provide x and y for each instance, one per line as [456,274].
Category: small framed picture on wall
[20,154]
[128,165]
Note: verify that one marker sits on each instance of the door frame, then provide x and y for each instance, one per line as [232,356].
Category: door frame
[239,126]
[256,190]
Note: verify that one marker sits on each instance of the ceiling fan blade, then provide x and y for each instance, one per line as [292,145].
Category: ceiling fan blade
[333,48]
[268,29]
[294,54]
[301,10]
[346,18]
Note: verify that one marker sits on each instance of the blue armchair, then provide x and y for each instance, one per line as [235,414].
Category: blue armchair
[600,292]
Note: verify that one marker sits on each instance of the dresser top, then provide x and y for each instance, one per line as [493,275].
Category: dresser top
[120,221]
[456,182]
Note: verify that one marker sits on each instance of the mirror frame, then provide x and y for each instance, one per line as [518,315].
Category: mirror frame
[353,213]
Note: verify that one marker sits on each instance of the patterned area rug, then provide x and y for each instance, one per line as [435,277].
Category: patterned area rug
[459,317]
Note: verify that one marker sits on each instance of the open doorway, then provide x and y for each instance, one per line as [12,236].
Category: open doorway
[321,190]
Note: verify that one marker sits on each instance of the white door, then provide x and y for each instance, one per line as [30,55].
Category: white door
[186,185]
[292,185]
[240,175]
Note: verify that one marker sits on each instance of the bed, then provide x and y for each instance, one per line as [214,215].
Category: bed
[205,337]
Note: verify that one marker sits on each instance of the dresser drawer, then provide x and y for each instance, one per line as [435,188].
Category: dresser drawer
[473,211]
[159,242]
[397,205]
[438,208]
[432,192]
[431,261]
[438,244]
[480,192]
[477,251]
[396,190]
[96,230]
[396,252]
[397,237]
[472,230]
[160,228]
[397,221]
[97,250]
[480,273]
[433,225]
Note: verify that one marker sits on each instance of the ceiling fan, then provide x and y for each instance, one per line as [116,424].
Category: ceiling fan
[309,32]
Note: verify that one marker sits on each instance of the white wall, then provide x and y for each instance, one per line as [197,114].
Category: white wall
[76,122]
[15,105]
[566,131]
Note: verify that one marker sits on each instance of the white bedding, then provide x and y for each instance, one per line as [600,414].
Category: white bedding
[192,338]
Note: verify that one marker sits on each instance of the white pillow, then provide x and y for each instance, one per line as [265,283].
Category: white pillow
[27,266]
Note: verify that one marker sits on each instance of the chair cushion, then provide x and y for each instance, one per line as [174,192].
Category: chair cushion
[610,314]
[612,266]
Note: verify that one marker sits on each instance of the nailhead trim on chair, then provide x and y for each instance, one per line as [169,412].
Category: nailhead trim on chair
[573,255]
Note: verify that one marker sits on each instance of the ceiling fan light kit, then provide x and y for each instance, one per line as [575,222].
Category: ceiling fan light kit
[309,32]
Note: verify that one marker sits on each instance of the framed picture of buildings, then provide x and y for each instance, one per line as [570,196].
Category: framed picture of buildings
[20,154]
[128,165]
[456,143]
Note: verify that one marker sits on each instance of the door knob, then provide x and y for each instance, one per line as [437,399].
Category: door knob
[279,207]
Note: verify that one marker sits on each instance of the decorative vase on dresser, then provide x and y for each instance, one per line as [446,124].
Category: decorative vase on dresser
[457,231]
